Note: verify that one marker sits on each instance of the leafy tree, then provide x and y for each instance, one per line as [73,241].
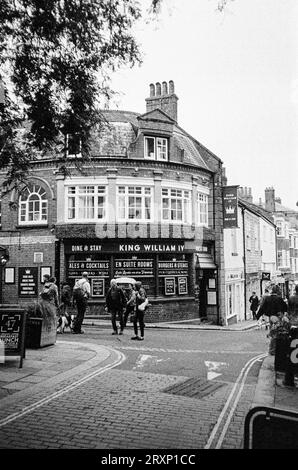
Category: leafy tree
[55,60]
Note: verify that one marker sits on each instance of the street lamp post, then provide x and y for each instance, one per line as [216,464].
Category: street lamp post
[4,257]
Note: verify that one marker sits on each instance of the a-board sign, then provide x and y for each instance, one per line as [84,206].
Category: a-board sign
[28,282]
[97,287]
[270,428]
[12,331]
[170,288]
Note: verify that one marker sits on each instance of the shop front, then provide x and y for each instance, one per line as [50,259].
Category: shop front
[234,281]
[166,270]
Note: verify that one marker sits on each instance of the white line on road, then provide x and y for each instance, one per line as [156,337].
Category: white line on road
[242,377]
[29,409]
[191,351]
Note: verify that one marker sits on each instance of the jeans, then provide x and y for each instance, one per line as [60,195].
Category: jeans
[139,317]
[114,317]
[81,308]
[128,311]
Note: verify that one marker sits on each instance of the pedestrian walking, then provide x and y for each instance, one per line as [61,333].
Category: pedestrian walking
[131,303]
[81,294]
[141,305]
[50,290]
[254,304]
[275,307]
[116,302]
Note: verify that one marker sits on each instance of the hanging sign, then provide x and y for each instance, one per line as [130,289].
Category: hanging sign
[230,206]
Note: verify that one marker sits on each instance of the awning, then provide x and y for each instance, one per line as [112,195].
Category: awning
[205,261]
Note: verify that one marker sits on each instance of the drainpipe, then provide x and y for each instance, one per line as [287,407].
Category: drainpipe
[244,259]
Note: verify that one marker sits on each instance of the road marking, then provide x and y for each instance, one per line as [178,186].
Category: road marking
[29,409]
[241,378]
[212,367]
[144,359]
[191,351]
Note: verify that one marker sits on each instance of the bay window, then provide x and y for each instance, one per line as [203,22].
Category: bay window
[176,205]
[134,203]
[86,202]
[202,209]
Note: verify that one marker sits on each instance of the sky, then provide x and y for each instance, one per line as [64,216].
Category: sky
[236,77]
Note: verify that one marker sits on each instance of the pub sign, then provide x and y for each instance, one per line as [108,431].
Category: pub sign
[230,206]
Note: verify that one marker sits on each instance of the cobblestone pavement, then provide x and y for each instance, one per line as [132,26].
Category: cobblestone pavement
[104,408]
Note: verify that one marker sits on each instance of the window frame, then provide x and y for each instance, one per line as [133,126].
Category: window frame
[77,135]
[130,192]
[200,204]
[26,207]
[186,215]
[76,196]
[156,154]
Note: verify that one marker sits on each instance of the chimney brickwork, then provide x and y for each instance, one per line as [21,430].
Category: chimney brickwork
[162,96]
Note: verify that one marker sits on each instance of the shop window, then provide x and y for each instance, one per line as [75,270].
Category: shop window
[33,206]
[156,148]
[176,205]
[86,202]
[134,203]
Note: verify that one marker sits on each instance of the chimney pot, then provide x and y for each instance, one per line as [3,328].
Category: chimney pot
[164,88]
[171,87]
[152,89]
[158,89]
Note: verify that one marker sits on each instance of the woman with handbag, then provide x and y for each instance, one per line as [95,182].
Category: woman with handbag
[141,304]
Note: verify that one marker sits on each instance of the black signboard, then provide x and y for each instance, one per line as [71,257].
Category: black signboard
[97,287]
[150,246]
[133,267]
[266,276]
[172,268]
[12,332]
[182,285]
[270,428]
[230,206]
[28,282]
[96,268]
[170,288]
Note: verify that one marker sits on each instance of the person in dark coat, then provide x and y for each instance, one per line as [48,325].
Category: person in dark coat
[116,302]
[141,299]
[254,303]
[274,307]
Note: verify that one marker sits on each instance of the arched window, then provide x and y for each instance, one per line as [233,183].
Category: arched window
[33,205]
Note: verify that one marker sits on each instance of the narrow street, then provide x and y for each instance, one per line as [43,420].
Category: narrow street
[178,389]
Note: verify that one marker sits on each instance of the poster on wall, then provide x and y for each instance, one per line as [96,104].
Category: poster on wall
[182,285]
[28,281]
[230,206]
[97,287]
[170,286]
[211,297]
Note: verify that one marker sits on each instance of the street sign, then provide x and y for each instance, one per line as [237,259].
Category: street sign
[266,276]
[270,428]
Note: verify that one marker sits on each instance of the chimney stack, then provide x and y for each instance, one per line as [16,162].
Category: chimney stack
[270,199]
[163,97]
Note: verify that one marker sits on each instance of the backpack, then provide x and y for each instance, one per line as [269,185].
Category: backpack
[79,293]
[66,294]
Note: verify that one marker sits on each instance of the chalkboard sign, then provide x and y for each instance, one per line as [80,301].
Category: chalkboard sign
[97,287]
[12,332]
[270,428]
[28,281]
[170,286]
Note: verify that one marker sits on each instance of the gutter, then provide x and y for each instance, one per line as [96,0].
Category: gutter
[244,260]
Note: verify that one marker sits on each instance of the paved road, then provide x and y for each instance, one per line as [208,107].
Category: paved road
[176,390]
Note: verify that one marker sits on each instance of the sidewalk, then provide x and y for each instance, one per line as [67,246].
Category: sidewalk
[271,392]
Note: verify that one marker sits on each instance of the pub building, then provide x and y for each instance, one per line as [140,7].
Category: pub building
[148,206]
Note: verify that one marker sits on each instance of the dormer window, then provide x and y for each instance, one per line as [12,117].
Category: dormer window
[73,145]
[156,148]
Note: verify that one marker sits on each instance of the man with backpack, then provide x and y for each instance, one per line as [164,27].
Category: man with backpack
[81,293]
[50,290]
[116,302]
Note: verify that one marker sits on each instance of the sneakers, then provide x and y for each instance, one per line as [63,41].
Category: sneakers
[135,337]
[115,333]
[121,332]
[140,338]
